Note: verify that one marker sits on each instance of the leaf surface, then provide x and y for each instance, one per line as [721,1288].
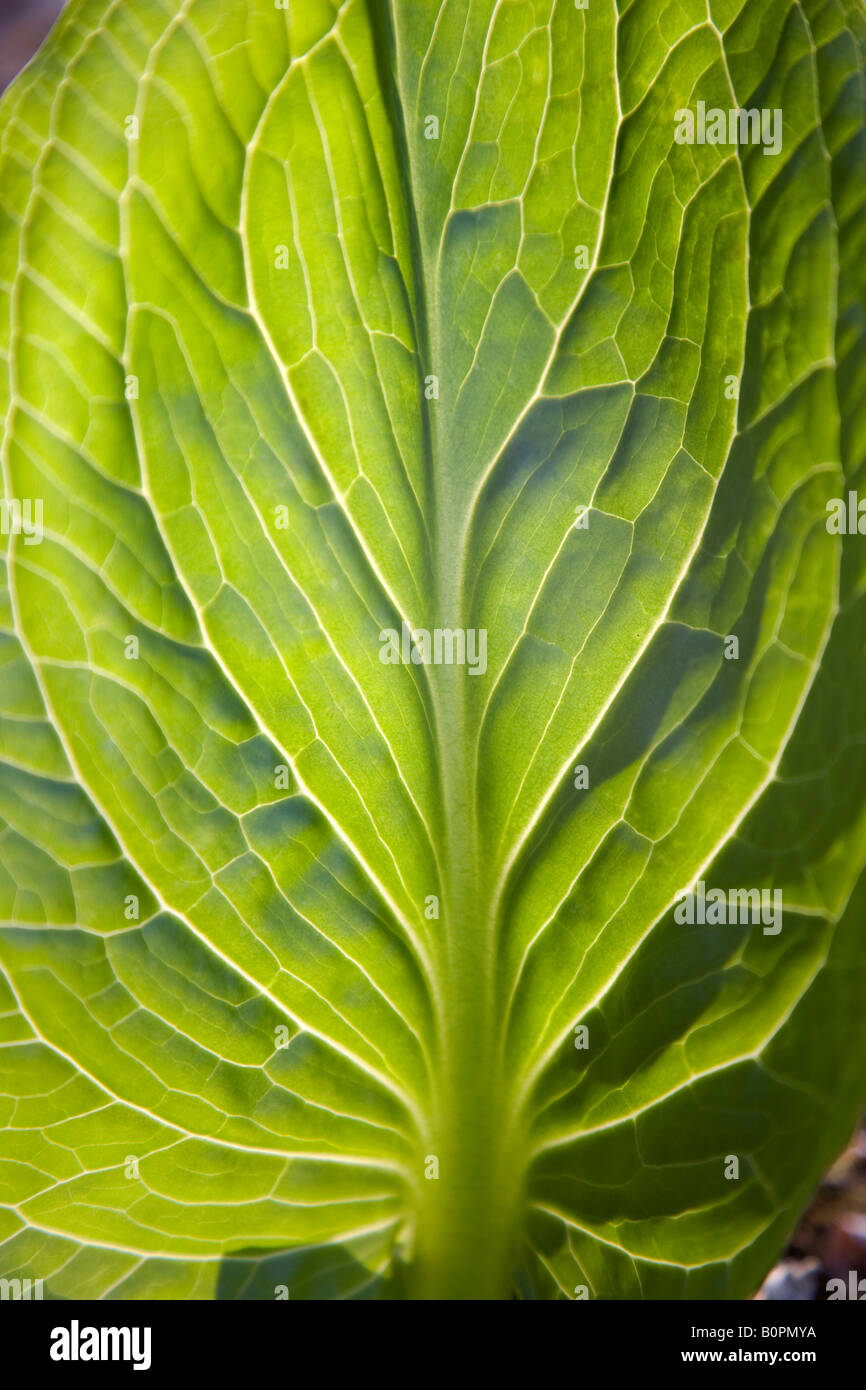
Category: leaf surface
[288,929]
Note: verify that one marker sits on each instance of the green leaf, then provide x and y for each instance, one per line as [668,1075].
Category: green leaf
[324,321]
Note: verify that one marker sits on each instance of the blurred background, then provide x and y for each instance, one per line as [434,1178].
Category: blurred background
[23,26]
[830,1240]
